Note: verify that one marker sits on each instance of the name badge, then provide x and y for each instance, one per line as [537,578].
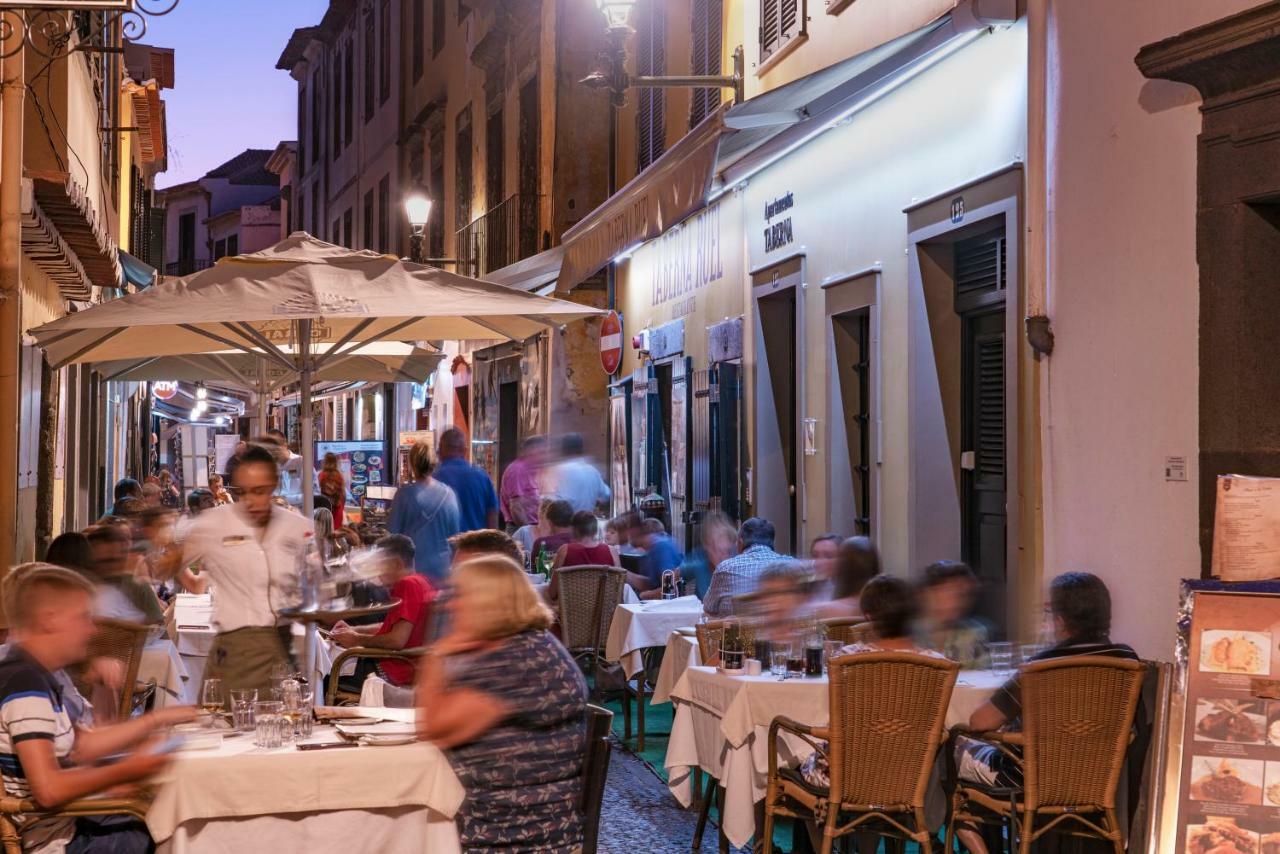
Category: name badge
[235,540]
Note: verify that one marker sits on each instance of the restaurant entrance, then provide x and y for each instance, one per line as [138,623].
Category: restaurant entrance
[779,380]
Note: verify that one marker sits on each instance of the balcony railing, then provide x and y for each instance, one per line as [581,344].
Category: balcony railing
[500,237]
[187,267]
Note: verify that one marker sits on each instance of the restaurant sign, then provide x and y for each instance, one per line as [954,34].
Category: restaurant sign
[1225,757]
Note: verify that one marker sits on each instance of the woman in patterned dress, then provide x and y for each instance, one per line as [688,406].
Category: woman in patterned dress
[505,701]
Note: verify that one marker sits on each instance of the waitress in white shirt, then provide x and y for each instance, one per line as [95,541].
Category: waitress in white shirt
[249,551]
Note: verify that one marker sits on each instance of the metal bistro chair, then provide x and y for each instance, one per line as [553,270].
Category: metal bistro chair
[847,630]
[1077,716]
[334,693]
[887,716]
[15,812]
[123,641]
[595,772]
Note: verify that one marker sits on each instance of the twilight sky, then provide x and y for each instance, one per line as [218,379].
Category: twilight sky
[228,94]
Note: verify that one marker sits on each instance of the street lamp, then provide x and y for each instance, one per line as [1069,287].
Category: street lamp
[616,12]
[417,207]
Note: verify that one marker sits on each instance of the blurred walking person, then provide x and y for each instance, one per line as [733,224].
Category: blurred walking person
[477,500]
[519,494]
[577,481]
[426,511]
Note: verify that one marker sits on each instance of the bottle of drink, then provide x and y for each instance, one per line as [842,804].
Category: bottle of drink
[544,562]
[669,584]
[732,655]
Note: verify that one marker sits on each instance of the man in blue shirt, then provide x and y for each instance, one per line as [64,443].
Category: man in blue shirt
[660,554]
[477,499]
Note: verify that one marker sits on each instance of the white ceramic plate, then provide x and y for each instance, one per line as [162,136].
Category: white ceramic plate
[386,740]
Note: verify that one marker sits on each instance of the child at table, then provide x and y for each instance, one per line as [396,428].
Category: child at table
[50,612]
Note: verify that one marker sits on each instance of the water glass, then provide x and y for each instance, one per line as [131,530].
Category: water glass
[268,720]
[1001,656]
[830,649]
[778,660]
[242,701]
[298,713]
[1027,652]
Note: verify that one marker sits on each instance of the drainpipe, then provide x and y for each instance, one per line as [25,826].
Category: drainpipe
[1034,358]
[12,93]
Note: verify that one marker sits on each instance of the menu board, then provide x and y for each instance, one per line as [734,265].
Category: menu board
[362,464]
[1228,799]
[1246,528]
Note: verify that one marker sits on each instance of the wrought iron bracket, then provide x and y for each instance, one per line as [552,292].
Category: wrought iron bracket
[47,26]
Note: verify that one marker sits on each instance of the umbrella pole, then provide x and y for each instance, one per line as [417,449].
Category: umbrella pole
[263,406]
[308,465]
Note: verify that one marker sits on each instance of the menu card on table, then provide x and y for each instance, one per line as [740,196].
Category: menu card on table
[1228,798]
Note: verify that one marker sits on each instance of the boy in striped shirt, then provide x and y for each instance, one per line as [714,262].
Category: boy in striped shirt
[43,755]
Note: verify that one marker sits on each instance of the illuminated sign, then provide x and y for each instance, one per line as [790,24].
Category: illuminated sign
[164,389]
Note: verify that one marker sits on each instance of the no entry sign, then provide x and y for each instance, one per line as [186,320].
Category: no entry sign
[611,342]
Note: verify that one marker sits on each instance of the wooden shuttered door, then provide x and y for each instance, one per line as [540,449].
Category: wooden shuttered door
[780,22]
[707,22]
[651,59]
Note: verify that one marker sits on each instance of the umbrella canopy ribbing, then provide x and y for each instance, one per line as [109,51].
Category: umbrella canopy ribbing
[256,301]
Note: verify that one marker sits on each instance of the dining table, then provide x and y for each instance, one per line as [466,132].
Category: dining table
[643,625]
[681,653]
[721,726]
[162,663]
[239,797]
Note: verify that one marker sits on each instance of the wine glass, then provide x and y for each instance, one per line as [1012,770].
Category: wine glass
[213,698]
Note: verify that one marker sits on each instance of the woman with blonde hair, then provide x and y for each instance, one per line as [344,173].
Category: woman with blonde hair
[481,707]
[426,511]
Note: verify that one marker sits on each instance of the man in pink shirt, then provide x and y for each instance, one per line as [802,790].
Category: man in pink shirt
[519,494]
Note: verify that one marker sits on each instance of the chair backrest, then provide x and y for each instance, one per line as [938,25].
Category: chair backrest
[1145,764]
[123,641]
[887,715]
[711,637]
[848,630]
[595,772]
[588,597]
[1077,718]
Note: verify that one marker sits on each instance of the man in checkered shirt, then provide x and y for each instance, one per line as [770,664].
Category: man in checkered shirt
[740,574]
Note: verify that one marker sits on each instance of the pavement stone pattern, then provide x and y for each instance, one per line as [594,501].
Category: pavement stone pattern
[640,815]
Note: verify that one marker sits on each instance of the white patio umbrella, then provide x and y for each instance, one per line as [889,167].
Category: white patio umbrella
[260,375]
[305,293]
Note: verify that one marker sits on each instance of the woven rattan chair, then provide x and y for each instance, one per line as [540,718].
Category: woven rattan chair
[15,811]
[123,641]
[711,636]
[847,629]
[588,597]
[887,716]
[335,694]
[1077,721]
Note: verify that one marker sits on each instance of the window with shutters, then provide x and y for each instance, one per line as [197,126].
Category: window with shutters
[368,220]
[437,26]
[348,92]
[435,190]
[651,59]
[707,21]
[781,22]
[335,101]
[462,185]
[233,244]
[315,118]
[384,52]
[384,214]
[348,238]
[302,130]
[980,270]
[370,55]
[419,36]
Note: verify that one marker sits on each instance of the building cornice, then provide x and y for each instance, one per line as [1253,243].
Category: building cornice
[1228,55]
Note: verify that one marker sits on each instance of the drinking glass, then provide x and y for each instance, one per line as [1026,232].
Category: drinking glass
[213,698]
[268,723]
[1028,652]
[713,649]
[297,714]
[242,700]
[778,661]
[1001,656]
[830,649]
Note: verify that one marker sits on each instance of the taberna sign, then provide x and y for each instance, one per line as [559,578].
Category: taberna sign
[778,232]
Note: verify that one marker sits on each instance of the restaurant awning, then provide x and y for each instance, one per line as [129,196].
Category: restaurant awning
[69,209]
[137,272]
[739,140]
[532,273]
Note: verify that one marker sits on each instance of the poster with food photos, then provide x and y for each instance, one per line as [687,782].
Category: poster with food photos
[1229,795]
[362,463]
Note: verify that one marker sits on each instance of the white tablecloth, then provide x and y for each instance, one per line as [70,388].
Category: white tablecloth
[160,661]
[637,627]
[722,726]
[682,653]
[244,798]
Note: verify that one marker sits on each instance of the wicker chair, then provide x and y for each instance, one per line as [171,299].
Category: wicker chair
[887,715]
[711,635]
[588,597]
[595,771]
[334,693]
[1077,716]
[12,809]
[847,629]
[123,641]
